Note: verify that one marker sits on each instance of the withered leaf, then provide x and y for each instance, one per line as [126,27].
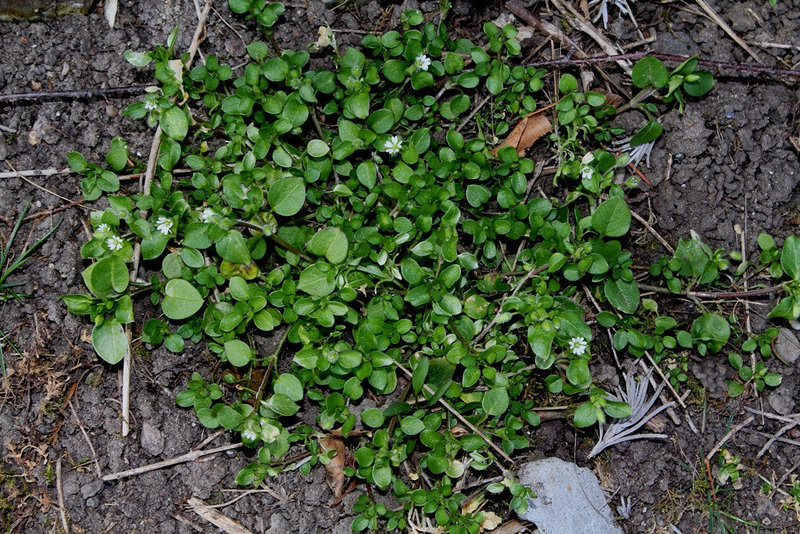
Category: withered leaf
[335,467]
[526,132]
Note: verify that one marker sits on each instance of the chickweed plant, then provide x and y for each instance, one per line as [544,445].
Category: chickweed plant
[417,288]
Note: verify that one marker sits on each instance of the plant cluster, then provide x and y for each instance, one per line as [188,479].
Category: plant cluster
[358,213]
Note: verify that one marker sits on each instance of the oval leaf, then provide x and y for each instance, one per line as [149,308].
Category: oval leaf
[109,341]
[181,299]
[612,218]
[287,196]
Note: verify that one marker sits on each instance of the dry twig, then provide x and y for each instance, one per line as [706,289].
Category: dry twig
[716,449]
[183,458]
[219,520]
[62,510]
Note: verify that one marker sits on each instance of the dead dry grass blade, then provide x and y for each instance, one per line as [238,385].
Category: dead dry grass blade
[622,430]
[727,29]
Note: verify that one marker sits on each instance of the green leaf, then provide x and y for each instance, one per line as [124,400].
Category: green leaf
[585,415]
[382,476]
[107,277]
[578,374]
[372,417]
[567,83]
[174,123]
[233,248]
[650,132]
[295,111]
[289,385]
[619,410]
[366,174]
[331,243]
[712,329]
[735,389]
[411,426]
[317,280]
[287,196]
[476,307]
[420,374]
[649,71]
[772,379]
[317,148]
[623,295]
[495,401]
[138,59]
[478,195]
[282,405]
[76,161]
[238,352]
[109,341]
[181,299]
[381,121]
[701,85]
[612,218]
[790,256]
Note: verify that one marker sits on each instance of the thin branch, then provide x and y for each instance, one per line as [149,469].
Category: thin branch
[183,458]
[764,291]
[86,436]
[727,29]
[716,449]
[720,65]
[652,230]
[219,520]
[62,510]
[72,94]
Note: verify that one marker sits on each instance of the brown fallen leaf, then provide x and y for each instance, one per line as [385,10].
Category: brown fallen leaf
[335,467]
[526,132]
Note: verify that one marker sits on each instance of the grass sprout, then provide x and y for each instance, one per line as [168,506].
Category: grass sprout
[8,266]
[623,430]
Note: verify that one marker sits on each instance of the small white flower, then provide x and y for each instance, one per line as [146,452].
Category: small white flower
[150,105]
[578,346]
[102,229]
[114,243]
[163,225]
[245,190]
[586,173]
[207,215]
[249,434]
[393,145]
[422,62]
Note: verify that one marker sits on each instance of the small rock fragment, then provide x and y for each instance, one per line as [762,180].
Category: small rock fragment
[787,346]
[152,439]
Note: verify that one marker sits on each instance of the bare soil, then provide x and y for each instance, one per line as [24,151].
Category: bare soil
[727,162]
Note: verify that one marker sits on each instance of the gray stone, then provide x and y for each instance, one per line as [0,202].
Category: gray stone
[787,346]
[568,499]
[278,524]
[152,439]
[91,489]
[781,401]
